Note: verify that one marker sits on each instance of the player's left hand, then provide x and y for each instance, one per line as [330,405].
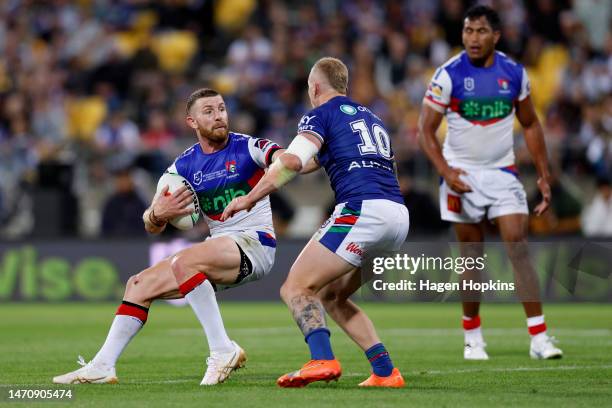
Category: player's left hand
[237,204]
[544,188]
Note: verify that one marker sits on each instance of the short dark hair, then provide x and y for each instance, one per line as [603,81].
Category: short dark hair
[200,93]
[479,10]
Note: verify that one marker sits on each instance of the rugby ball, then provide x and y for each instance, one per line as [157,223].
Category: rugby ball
[174,182]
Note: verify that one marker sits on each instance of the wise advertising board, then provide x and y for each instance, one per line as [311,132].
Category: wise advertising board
[73,270]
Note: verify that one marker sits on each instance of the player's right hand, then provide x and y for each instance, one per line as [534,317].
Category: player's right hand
[544,188]
[167,206]
[237,204]
[454,182]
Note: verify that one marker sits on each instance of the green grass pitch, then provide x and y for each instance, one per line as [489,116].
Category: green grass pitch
[164,364]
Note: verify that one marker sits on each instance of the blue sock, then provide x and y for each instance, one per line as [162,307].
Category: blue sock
[318,342]
[378,357]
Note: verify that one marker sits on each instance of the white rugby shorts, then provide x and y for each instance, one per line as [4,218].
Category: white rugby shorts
[495,192]
[361,229]
[260,248]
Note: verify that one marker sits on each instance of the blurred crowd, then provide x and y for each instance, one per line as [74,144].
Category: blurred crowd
[93,92]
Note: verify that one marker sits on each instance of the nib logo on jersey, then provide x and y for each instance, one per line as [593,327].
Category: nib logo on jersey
[213,205]
[482,111]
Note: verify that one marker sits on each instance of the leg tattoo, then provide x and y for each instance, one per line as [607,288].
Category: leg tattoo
[308,312]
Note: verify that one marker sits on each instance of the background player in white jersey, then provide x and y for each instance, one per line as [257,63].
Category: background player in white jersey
[353,146]
[222,163]
[481,91]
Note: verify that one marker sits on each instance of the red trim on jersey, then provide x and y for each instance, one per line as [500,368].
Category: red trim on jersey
[259,173]
[537,329]
[129,310]
[485,122]
[430,99]
[454,104]
[270,153]
[471,324]
[191,283]
[216,217]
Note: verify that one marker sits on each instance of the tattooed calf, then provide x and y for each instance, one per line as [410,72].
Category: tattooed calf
[308,313]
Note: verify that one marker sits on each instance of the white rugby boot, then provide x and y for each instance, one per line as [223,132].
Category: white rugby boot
[89,373]
[543,347]
[221,365]
[475,350]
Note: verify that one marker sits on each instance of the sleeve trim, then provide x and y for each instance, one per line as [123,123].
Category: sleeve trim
[270,153]
[312,132]
[437,106]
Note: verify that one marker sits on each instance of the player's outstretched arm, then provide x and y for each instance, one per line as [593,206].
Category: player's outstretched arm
[276,155]
[534,138]
[429,122]
[165,207]
[283,169]
[312,165]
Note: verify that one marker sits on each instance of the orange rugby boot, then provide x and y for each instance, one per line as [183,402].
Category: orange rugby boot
[395,380]
[314,370]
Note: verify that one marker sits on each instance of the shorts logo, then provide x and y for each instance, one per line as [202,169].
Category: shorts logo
[453,203]
[197,178]
[326,223]
[348,109]
[520,196]
[230,166]
[468,83]
[354,248]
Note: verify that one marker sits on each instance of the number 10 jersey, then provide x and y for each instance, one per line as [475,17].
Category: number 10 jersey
[356,151]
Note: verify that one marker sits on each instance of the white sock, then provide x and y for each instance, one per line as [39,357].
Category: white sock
[473,336]
[204,304]
[535,320]
[123,329]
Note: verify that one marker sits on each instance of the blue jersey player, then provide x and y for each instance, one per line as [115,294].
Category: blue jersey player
[353,146]
[220,166]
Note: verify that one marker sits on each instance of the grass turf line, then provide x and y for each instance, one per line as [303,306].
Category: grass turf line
[164,364]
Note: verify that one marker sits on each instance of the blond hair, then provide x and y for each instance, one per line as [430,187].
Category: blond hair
[335,72]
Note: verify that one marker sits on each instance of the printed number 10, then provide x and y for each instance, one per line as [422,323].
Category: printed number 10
[380,143]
